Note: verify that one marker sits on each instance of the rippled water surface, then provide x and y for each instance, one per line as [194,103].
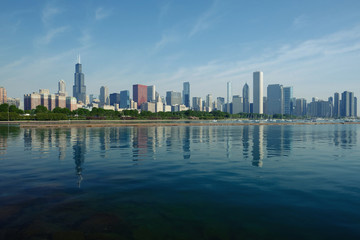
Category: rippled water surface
[181,182]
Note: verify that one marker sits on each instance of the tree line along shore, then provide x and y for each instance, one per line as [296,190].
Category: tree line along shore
[41,113]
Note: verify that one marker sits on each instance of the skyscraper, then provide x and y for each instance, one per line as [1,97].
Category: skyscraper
[139,94]
[347,103]
[186,94]
[151,93]
[275,99]
[228,97]
[124,99]
[246,99]
[336,112]
[3,96]
[173,98]
[114,99]
[208,101]
[104,96]
[62,88]
[79,88]
[288,95]
[258,92]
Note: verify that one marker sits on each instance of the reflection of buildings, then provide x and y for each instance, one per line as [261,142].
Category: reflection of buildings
[252,144]
[278,140]
[345,138]
[79,150]
[258,146]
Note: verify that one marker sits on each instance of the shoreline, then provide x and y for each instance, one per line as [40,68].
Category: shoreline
[149,123]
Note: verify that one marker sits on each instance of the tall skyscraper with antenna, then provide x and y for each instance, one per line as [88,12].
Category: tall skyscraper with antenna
[79,88]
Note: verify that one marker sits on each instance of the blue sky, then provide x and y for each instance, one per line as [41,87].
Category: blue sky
[313,46]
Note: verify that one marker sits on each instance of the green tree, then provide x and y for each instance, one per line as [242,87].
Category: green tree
[40,109]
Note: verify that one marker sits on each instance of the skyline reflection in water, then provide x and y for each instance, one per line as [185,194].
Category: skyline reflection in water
[254,144]
[219,182]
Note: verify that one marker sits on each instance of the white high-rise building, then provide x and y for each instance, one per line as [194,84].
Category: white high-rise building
[62,88]
[258,92]
[104,96]
[228,97]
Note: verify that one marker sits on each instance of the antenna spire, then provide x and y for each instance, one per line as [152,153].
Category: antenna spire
[79,58]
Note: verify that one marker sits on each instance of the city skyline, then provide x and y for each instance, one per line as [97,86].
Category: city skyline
[294,44]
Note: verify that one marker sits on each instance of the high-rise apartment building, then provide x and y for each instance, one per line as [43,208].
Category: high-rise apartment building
[79,88]
[173,98]
[246,98]
[348,104]
[62,88]
[288,95]
[151,93]
[139,94]
[275,99]
[300,107]
[3,95]
[258,92]
[104,96]
[186,94]
[124,99]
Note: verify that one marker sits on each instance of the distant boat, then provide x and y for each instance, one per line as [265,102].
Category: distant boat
[214,120]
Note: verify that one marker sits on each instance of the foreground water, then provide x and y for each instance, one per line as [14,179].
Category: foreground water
[180,182]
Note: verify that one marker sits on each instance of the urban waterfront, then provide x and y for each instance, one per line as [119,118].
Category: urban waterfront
[180,182]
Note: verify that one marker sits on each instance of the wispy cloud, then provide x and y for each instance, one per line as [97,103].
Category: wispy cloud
[48,13]
[206,20]
[301,62]
[166,39]
[102,13]
[300,21]
[164,9]
[50,35]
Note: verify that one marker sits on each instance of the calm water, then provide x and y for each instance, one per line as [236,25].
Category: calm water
[195,182]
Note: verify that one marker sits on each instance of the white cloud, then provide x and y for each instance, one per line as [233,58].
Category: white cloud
[50,35]
[312,62]
[48,13]
[205,21]
[101,13]
[300,21]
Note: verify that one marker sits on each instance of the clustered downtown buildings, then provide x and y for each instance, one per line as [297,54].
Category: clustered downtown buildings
[279,99]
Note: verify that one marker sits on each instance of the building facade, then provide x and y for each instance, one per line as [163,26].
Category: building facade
[275,99]
[139,94]
[258,92]
[246,98]
[186,94]
[173,98]
[62,88]
[124,99]
[79,88]
[288,95]
[151,93]
[114,99]
[3,95]
[104,96]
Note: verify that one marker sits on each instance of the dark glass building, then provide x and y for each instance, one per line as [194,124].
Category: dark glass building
[114,99]
[79,88]
[124,99]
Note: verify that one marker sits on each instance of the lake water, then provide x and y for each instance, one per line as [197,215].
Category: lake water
[181,182]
